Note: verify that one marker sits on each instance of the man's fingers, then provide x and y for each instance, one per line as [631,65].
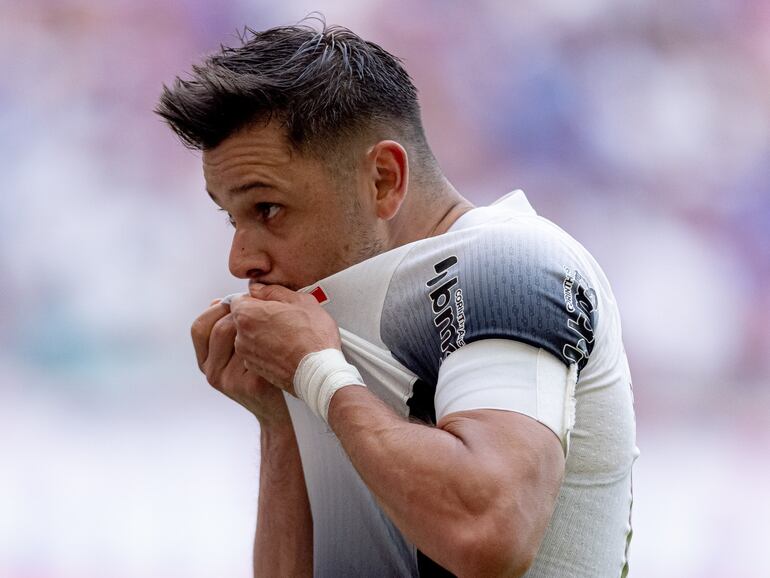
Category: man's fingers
[236,366]
[221,348]
[247,311]
[201,330]
[227,299]
[255,288]
[274,293]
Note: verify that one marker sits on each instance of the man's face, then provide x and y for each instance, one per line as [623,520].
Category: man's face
[294,222]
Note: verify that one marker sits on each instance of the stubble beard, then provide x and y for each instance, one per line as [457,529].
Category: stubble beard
[363,242]
[369,246]
[366,242]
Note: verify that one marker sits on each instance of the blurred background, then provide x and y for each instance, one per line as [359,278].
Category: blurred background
[642,128]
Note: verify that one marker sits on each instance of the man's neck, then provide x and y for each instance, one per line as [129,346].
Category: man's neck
[453,212]
[429,215]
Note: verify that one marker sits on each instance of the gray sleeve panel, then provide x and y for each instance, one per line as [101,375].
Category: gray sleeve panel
[496,281]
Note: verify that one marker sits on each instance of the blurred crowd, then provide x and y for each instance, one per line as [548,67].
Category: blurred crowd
[642,128]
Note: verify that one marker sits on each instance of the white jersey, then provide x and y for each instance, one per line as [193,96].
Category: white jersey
[503,311]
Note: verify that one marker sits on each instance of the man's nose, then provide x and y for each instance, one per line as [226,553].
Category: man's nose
[248,259]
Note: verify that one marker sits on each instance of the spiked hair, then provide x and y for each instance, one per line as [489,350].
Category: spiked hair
[324,86]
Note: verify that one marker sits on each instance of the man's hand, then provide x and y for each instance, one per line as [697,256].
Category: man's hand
[213,335]
[276,328]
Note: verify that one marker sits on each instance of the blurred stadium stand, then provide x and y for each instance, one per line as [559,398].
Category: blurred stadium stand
[643,128]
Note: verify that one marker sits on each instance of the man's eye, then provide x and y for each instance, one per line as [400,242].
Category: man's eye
[267,211]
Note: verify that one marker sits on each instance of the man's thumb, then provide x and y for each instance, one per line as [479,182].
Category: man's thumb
[273,293]
[255,289]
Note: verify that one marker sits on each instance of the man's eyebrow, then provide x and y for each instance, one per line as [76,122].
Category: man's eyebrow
[239,189]
[248,187]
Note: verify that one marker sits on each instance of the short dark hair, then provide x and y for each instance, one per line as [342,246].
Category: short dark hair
[322,85]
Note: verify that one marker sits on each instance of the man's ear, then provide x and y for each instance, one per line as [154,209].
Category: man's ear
[390,177]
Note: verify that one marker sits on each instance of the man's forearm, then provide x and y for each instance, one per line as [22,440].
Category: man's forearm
[283,544]
[446,492]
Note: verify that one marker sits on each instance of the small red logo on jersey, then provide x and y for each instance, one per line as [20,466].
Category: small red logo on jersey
[319,295]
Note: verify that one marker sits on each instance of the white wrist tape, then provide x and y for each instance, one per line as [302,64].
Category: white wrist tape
[318,377]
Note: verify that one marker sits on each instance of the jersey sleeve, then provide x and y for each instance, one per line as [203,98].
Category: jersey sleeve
[508,375]
[519,283]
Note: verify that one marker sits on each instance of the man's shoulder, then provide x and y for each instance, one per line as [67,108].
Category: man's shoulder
[522,279]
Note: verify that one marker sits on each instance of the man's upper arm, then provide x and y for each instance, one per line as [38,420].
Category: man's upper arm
[509,375]
[523,461]
[526,450]
[512,405]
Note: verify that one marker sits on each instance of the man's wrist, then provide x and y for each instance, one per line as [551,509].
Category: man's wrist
[266,403]
[278,450]
[320,375]
[274,430]
[272,422]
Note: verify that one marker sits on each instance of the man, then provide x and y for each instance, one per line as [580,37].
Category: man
[440,388]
